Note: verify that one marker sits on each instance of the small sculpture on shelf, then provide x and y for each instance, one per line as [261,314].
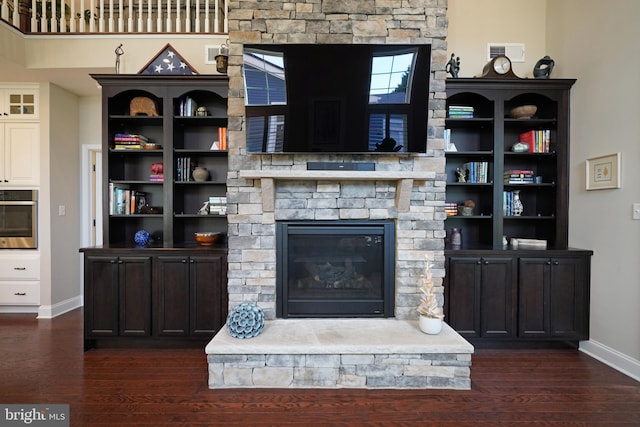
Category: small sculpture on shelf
[453,66]
[543,68]
[466,209]
[461,175]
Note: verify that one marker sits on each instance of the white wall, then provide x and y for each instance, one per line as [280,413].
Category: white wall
[64,161]
[595,42]
[475,23]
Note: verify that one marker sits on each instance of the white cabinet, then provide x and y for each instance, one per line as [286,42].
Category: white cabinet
[20,279]
[19,102]
[19,154]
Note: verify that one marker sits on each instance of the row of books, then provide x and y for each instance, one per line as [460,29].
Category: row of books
[460,111]
[507,203]
[187,106]
[184,169]
[129,141]
[519,176]
[221,142]
[124,201]
[476,172]
[538,140]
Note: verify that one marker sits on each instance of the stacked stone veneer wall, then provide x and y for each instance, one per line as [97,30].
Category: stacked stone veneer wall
[450,371]
[419,230]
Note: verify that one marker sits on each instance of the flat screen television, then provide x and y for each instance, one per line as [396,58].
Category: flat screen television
[336,98]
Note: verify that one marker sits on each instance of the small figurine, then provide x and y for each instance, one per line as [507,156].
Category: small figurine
[119,53]
[543,68]
[388,145]
[461,174]
[453,66]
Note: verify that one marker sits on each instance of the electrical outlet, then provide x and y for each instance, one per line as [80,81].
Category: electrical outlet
[636,211]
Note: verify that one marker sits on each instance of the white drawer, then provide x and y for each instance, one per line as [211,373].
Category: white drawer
[16,267]
[21,293]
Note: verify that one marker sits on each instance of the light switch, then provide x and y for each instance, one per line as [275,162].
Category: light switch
[62,210]
[636,211]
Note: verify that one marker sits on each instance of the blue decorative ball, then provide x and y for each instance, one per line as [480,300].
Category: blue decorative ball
[245,321]
[141,238]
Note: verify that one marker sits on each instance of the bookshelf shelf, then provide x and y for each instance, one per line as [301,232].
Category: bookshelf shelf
[185,140]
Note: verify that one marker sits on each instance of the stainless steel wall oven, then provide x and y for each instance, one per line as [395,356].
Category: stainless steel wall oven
[18,219]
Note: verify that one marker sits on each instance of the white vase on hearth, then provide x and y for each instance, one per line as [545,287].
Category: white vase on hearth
[430,325]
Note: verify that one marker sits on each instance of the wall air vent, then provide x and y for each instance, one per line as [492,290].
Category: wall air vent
[210,52]
[514,51]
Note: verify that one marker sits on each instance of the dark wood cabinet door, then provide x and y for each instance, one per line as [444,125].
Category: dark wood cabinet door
[553,297]
[533,297]
[100,296]
[208,294]
[463,295]
[171,282]
[134,286]
[568,308]
[497,297]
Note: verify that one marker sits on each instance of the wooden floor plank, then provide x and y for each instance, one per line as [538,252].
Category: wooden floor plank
[43,361]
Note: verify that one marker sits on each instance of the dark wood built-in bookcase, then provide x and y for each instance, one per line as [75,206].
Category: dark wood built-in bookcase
[170,291]
[505,293]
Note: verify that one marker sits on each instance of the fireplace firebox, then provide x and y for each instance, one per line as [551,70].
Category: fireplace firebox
[335,269]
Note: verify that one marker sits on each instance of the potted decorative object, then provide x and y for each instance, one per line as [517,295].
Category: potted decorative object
[467,208]
[431,314]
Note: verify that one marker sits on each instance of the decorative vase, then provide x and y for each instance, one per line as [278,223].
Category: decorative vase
[516,204]
[430,325]
[141,238]
[245,321]
[200,173]
[455,239]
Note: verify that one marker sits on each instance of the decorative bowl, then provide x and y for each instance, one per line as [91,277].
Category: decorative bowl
[207,237]
[524,111]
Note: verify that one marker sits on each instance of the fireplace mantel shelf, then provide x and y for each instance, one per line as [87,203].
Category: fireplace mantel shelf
[404,181]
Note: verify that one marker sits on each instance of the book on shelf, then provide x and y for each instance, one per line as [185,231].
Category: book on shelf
[519,176]
[156,177]
[539,141]
[476,172]
[218,205]
[460,111]
[187,106]
[451,208]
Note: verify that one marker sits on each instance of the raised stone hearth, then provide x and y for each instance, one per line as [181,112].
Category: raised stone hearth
[341,353]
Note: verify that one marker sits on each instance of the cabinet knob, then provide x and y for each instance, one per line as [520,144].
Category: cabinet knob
[548,263]
[19,268]
[20,294]
[478,262]
[192,261]
[184,260]
[556,263]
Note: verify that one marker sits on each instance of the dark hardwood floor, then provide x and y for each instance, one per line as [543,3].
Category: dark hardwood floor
[42,361]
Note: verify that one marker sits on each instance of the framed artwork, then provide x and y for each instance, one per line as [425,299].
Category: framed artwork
[603,172]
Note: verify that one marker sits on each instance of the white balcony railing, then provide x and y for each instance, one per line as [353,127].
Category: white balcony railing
[116,16]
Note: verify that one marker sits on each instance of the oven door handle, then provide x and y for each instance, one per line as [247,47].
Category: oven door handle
[17,203]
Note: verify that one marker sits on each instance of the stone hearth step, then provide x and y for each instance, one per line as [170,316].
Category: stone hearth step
[340,353]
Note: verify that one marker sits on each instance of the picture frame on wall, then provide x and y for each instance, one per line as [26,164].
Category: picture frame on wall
[603,172]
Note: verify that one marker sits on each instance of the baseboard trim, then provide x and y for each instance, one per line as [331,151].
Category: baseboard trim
[607,355]
[51,311]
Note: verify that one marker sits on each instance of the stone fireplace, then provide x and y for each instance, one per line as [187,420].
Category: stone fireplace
[405,190]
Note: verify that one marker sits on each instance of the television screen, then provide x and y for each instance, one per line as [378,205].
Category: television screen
[336,98]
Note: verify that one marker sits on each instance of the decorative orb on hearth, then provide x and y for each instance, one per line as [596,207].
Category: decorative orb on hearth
[245,321]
